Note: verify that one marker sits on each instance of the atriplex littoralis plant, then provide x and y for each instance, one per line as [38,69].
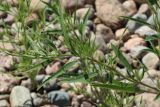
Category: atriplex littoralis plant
[39,50]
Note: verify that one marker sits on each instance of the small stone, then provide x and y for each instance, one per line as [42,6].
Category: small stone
[7,46]
[6,61]
[37,5]
[133,25]
[81,13]
[71,5]
[151,61]
[4,103]
[152,73]
[144,31]
[20,96]
[39,78]
[130,5]
[98,55]
[4,97]
[27,83]
[76,65]
[122,34]
[53,68]
[151,19]
[51,84]
[38,99]
[108,14]
[99,41]
[137,41]
[105,32]
[7,82]
[138,51]
[86,104]
[16,28]
[144,9]
[147,99]
[59,98]
[32,17]
[9,19]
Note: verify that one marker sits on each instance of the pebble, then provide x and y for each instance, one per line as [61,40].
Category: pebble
[108,14]
[37,5]
[137,41]
[144,31]
[122,34]
[8,46]
[38,99]
[20,96]
[144,9]
[138,51]
[27,83]
[130,5]
[81,13]
[16,28]
[147,99]
[6,61]
[105,32]
[4,97]
[133,25]
[151,61]
[59,98]
[7,82]
[51,84]
[53,68]
[39,78]
[99,41]
[86,104]
[4,103]
[71,5]
[98,55]
[151,18]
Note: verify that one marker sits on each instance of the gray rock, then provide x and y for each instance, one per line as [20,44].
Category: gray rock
[151,61]
[4,97]
[99,41]
[133,25]
[39,78]
[38,100]
[20,96]
[130,5]
[72,4]
[6,61]
[107,12]
[27,83]
[105,32]
[81,13]
[151,18]
[144,31]
[86,104]
[7,82]
[144,9]
[4,103]
[137,51]
[16,28]
[147,100]
[59,98]
[51,84]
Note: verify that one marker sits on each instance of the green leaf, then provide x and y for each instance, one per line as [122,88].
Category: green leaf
[122,59]
[152,2]
[153,37]
[58,73]
[118,87]
[140,21]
